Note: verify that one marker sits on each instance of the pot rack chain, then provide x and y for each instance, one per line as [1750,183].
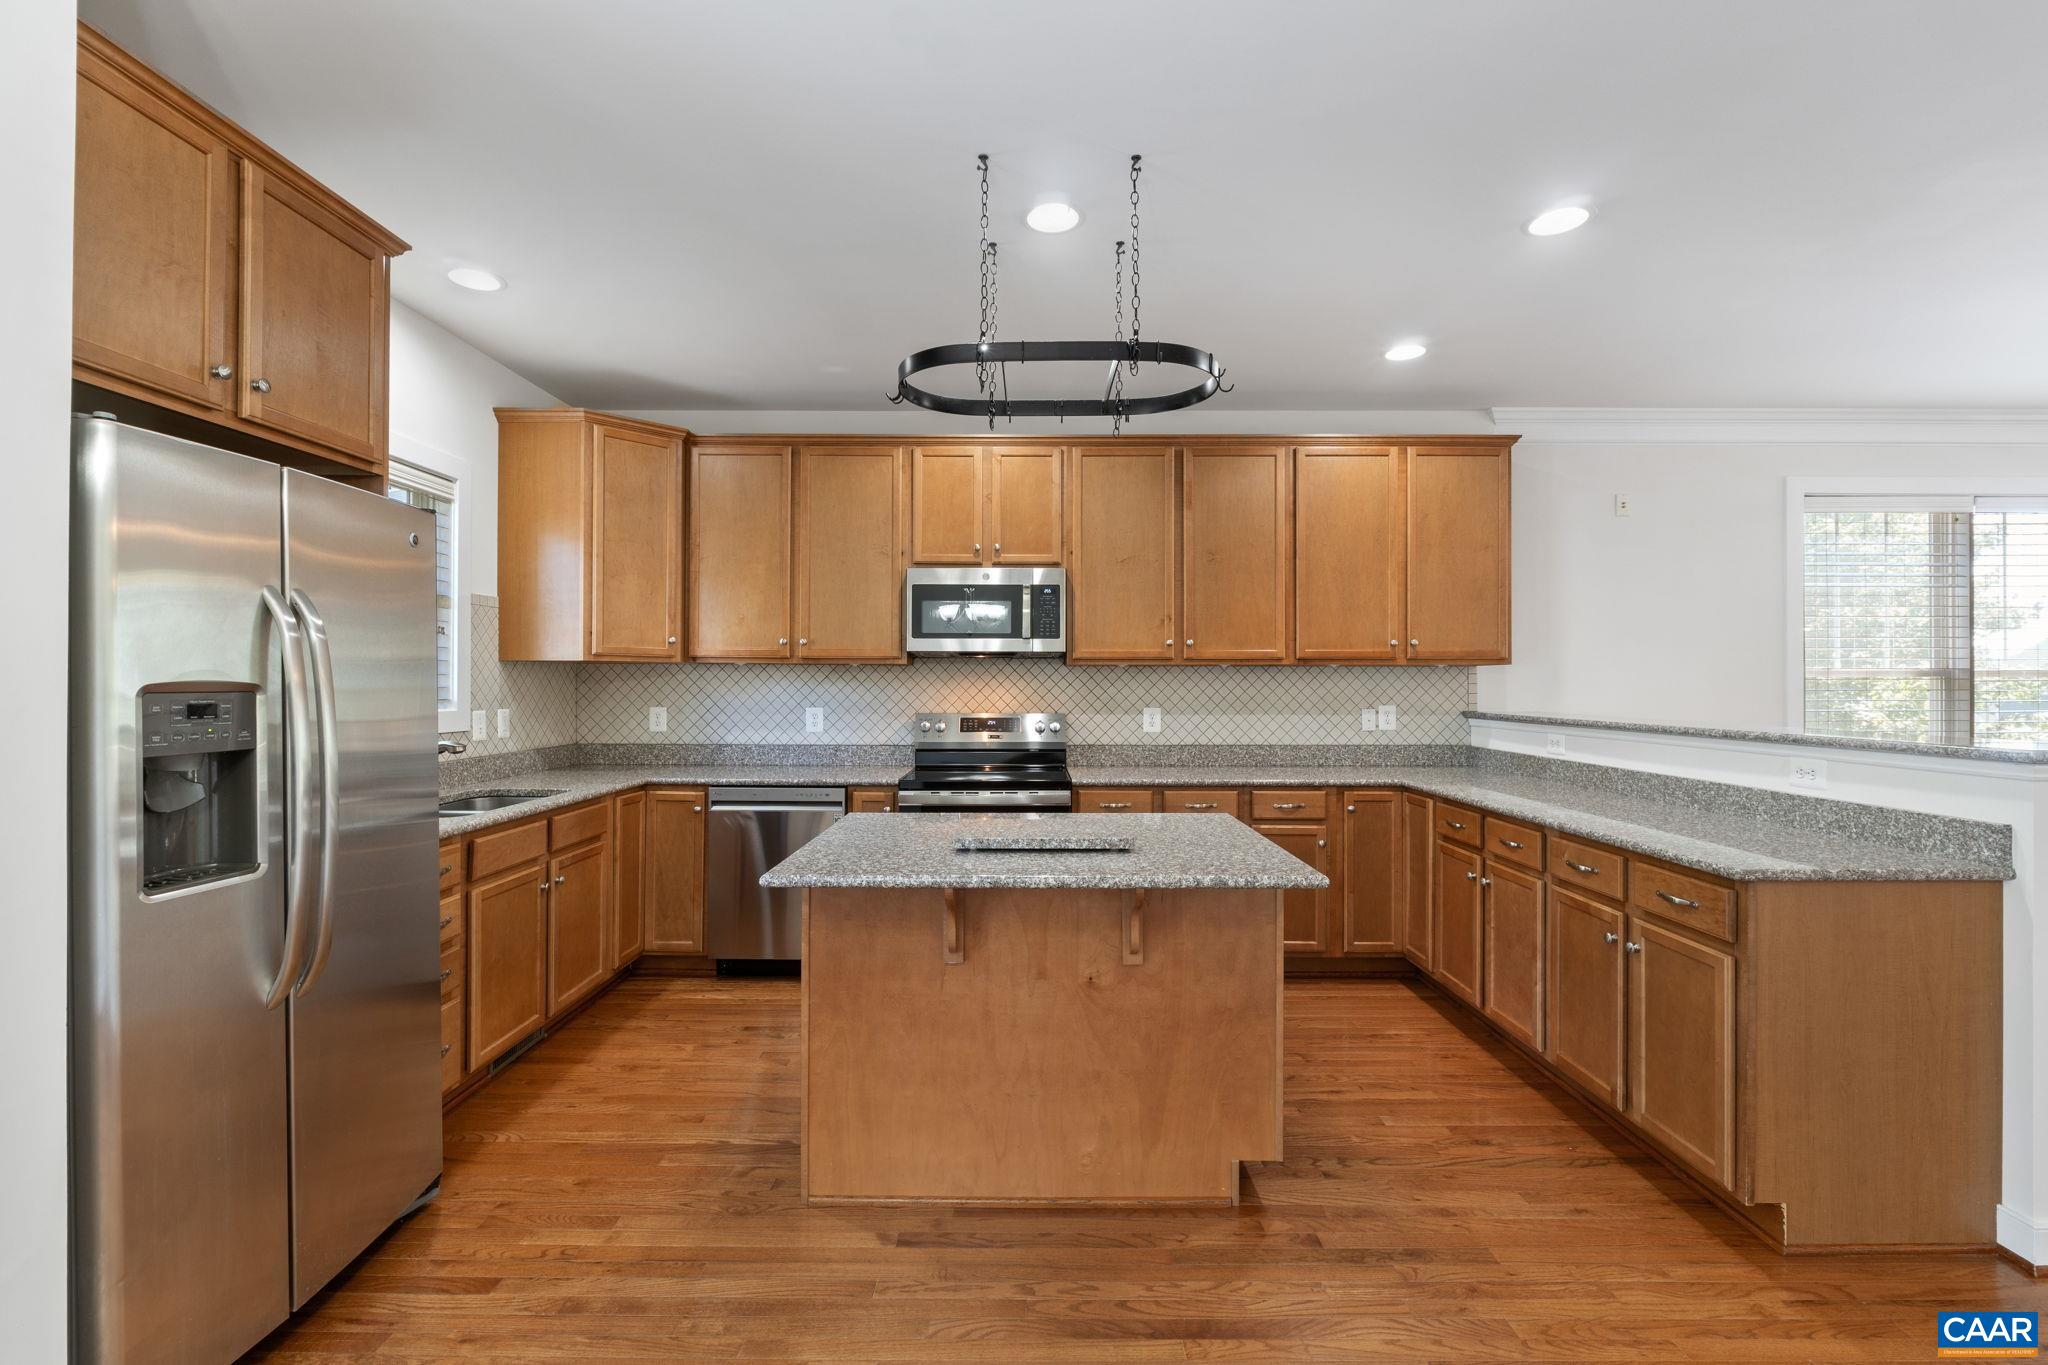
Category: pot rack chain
[1115,396]
[988,280]
[1137,328]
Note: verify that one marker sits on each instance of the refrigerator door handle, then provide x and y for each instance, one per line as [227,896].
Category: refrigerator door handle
[329,723]
[299,835]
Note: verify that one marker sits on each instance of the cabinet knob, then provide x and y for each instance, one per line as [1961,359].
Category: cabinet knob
[999,549]
[1348,810]
[671,639]
[977,547]
[803,639]
[1414,644]
[222,371]
[1188,644]
[445,1047]
[560,880]
[1471,876]
[1486,881]
[1169,644]
[887,809]
[697,808]
[1633,947]
[1613,937]
[260,385]
[1322,843]
[446,972]
[1393,644]
[782,639]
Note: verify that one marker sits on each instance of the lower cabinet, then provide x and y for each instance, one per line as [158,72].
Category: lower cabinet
[629,877]
[508,939]
[1512,974]
[871,800]
[579,915]
[1418,900]
[1681,1042]
[1372,881]
[1304,914]
[1114,800]
[1460,928]
[674,885]
[454,976]
[1587,987]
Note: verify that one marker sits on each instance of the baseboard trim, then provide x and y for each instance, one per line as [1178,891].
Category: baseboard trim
[2023,1241]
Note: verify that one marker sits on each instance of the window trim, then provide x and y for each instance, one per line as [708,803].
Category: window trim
[450,469]
[1792,664]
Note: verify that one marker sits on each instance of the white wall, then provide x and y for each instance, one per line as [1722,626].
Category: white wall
[37,104]
[1217,415]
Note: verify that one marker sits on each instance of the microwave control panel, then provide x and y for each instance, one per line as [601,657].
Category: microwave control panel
[1046,617]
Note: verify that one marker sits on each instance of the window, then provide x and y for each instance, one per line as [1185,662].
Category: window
[1926,619]
[418,487]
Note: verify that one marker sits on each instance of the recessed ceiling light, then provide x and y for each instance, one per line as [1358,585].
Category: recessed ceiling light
[1054,215]
[1564,218]
[1407,350]
[469,277]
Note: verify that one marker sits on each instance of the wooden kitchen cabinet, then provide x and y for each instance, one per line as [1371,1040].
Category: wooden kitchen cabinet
[1373,851]
[1349,554]
[1418,845]
[675,870]
[871,800]
[740,552]
[1586,989]
[1115,800]
[590,537]
[1511,974]
[629,877]
[1305,914]
[947,502]
[1122,555]
[993,504]
[1460,920]
[1457,599]
[507,980]
[1237,564]
[1681,1038]
[850,553]
[579,923]
[1026,504]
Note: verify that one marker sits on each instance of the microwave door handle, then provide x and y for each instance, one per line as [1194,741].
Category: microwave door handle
[330,778]
[298,714]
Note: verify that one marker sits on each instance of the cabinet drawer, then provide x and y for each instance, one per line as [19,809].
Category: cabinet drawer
[1116,800]
[1685,898]
[503,848]
[1588,867]
[451,921]
[451,1045]
[579,826]
[1304,803]
[1202,801]
[1458,824]
[451,865]
[1514,842]
[451,973]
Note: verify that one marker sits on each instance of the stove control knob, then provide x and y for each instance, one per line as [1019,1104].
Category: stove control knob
[1039,728]
[938,725]
[924,725]
[1055,727]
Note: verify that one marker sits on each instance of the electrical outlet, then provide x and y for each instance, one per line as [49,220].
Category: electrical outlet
[1369,719]
[504,722]
[657,719]
[1554,744]
[814,720]
[1388,720]
[1809,772]
[1151,720]
[479,725]
[1621,505]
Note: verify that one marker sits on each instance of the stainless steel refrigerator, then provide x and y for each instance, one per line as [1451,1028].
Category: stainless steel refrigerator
[255,951]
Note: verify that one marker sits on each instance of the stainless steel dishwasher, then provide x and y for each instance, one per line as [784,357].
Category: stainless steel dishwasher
[751,830]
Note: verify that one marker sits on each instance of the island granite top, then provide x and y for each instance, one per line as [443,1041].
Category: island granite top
[1168,852]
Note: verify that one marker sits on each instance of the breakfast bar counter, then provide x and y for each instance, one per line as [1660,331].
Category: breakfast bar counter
[1067,1009]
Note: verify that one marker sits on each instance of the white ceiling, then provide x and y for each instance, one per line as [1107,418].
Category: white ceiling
[765,205]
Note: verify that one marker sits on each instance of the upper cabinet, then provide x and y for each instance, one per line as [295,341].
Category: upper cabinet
[590,537]
[849,553]
[986,504]
[1236,553]
[740,551]
[1349,555]
[215,279]
[1122,555]
[1458,561]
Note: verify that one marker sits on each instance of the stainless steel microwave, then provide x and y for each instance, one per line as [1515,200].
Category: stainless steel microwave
[985,611]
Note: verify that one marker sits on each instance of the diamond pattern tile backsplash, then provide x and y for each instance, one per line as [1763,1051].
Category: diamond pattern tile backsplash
[873,704]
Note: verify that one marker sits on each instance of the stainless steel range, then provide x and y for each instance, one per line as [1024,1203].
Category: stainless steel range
[986,762]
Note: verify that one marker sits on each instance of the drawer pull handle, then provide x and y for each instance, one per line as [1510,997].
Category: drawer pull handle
[1199,805]
[1633,947]
[445,1048]
[1511,843]
[447,920]
[447,972]
[1116,805]
[1290,805]
[1583,869]
[446,868]
[1455,824]
[1613,937]
[1677,900]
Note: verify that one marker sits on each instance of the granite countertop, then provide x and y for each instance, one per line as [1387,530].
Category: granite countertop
[571,786]
[1798,737]
[1168,852]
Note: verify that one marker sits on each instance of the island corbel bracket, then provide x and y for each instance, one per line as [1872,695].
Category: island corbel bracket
[956,944]
[1134,929]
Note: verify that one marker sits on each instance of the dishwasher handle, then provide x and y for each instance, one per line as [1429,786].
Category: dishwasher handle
[779,799]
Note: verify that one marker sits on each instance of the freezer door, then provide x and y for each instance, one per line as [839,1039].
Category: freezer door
[366,1024]
[182,1243]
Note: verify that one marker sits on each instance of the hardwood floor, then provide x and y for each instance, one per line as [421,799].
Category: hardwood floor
[628,1191]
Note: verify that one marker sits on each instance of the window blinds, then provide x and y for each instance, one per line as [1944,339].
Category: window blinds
[421,488]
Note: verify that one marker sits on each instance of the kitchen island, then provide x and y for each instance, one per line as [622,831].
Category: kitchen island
[1048,1024]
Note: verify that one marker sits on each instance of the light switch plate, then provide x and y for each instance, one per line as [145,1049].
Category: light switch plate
[1151,720]
[1369,719]
[504,722]
[814,720]
[479,725]
[1388,720]
[1809,772]
[657,719]
[1622,506]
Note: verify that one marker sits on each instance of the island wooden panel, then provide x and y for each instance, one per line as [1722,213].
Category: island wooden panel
[1041,1068]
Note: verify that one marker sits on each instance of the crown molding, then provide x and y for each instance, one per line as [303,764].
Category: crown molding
[1770,426]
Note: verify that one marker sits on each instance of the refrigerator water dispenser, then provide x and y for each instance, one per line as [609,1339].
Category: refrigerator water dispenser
[200,815]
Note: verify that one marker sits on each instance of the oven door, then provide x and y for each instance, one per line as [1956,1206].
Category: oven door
[984,611]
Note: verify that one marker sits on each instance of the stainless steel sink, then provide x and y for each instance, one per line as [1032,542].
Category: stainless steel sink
[476,803]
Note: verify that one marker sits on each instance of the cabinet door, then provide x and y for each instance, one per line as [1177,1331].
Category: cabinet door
[1457,535]
[739,552]
[1121,554]
[1418,842]
[1304,914]
[153,282]
[1026,516]
[849,529]
[871,800]
[636,545]
[1681,1043]
[1237,544]
[675,871]
[315,321]
[629,878]
[946,505]
[1348,553]
[1513,972]
[579,918]
[1459,928]
[1372,871]
[1587,987]
[508,960]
